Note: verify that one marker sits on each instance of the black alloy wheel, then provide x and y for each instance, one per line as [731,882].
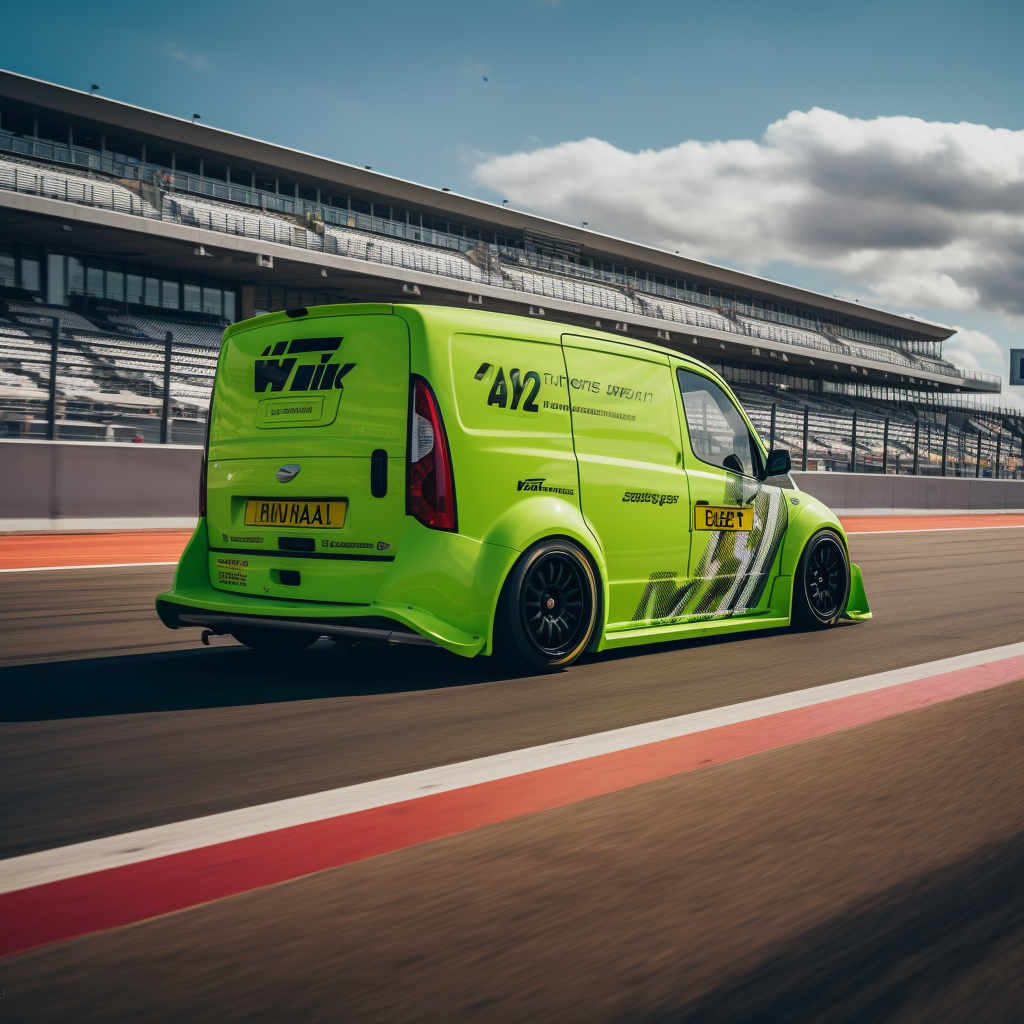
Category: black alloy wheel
[823,582]
[548,610]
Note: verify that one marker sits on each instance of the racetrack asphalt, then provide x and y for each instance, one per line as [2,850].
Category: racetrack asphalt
[831,876]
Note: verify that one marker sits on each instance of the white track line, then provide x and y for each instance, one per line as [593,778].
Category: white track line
[147,844]
[61,568]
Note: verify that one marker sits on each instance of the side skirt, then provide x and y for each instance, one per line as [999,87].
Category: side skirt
[775,616]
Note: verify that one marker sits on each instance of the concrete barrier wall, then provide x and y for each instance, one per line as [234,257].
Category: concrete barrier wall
[880,494]
[93,485]
[90,485]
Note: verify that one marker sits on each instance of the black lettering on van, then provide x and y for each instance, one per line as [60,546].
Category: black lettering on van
[341,373]
[531,377]
[517,386]
[499,390]
[319,377]
[528,384]
[272,373]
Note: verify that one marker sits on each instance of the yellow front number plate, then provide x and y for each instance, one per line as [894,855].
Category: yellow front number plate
[316,512]
[722,517]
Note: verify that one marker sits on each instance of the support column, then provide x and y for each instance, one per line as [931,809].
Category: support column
[165,422]
[803,461]
[51,401]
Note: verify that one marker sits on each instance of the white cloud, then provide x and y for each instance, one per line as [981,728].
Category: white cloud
[923,214]
[975,350]
[196,60]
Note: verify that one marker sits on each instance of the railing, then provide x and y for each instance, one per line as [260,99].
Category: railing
[98,387]
[855,441]
[478,262]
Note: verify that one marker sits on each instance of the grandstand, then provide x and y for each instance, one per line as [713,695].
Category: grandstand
[129,238]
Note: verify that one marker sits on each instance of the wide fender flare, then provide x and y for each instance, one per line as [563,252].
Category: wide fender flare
[811,516]
[537,518]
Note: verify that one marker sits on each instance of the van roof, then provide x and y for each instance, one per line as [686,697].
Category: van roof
[526,327]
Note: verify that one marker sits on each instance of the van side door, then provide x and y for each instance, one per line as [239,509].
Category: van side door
[632,487]
[738,522]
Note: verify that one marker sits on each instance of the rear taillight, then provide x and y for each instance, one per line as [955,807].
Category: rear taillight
[430,495]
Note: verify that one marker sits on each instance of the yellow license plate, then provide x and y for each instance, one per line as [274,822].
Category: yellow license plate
[318,513]
[722,517]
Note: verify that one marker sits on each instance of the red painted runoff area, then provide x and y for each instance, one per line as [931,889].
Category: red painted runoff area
[59,910]
[133,547]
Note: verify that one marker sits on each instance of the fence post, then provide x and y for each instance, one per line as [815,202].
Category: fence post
[803,461]
[853,445]
[945,444]
[999,445]
[771,431]
[165,421]
[885,447]
[917,442]
[51,401]
[977,461]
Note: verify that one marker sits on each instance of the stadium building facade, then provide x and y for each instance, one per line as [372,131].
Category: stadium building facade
[129,238]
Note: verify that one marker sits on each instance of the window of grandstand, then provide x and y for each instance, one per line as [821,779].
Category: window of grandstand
[115,284]
[193,295]
[216,171]
[269,299]
[170,297]
[17,124]
[124,150]
[186,164]
[8,278]
[308,193]
[266,184]
[53,132]
[360,206]
[241,177]
[286,188]
[160,157]
[92,141]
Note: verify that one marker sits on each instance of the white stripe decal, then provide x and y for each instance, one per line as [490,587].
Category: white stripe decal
[147,844]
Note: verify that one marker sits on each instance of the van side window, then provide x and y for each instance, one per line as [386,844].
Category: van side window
[718,433]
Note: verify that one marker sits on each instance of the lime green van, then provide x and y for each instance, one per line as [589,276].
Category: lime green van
[491,483]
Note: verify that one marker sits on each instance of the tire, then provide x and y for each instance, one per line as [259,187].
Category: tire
[547,613]
[275,641]
[822,585]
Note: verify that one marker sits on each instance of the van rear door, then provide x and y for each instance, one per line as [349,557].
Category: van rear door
[306,471]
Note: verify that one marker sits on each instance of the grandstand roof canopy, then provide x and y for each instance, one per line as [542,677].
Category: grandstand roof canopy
[205,142]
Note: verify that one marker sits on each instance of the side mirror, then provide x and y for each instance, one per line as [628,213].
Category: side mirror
[779,463]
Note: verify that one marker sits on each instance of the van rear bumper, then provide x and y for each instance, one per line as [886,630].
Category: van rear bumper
[193,602]
[182,615]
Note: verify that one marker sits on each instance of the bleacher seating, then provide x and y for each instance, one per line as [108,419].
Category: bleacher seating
[112,358]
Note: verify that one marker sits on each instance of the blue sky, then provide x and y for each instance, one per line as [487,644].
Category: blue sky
[401,85]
